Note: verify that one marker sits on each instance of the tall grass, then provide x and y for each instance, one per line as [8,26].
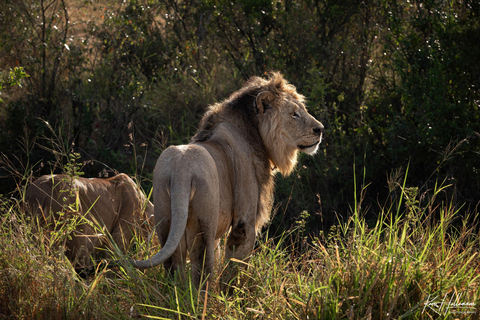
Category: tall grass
[416,255]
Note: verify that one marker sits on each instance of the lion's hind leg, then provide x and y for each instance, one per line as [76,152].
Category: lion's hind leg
[202,229]
[202,254]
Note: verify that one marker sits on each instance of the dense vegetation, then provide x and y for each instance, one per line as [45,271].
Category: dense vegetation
[396,84]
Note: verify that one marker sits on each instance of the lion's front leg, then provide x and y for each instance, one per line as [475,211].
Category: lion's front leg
[202,256]
[241,240]
[240,243]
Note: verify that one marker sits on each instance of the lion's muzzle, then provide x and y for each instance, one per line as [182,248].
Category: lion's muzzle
[312,148]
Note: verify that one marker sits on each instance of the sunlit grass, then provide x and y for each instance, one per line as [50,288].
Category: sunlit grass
[403,265]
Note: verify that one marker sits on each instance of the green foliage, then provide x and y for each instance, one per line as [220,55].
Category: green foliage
[13,78]
[426,99]
[393,82]
[72,168]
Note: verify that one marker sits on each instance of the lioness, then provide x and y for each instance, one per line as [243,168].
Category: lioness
[115,203]
[224,177]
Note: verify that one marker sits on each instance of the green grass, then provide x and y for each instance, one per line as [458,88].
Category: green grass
[417,253]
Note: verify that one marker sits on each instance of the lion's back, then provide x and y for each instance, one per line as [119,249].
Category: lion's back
[45,194]
[178,163]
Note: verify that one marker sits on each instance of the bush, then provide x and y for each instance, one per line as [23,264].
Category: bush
[394,83]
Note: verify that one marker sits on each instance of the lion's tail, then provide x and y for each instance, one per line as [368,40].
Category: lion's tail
[179,207]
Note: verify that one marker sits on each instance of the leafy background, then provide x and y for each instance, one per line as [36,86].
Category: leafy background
[396,84]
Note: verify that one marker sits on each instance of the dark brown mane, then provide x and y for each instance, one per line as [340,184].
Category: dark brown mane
[240,107]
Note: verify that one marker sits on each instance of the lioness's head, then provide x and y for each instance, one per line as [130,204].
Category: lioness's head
[285,125]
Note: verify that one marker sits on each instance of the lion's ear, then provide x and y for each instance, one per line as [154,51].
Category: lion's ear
[264,101]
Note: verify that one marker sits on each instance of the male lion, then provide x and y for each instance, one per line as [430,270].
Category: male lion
[224,177]
[116,204]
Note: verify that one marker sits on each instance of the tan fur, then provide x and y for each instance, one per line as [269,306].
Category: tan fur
[116,203]
[224,177]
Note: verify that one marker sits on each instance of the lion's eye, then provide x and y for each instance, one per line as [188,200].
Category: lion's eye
[295,115]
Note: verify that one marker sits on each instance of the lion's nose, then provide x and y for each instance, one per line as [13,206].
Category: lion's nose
[318,130]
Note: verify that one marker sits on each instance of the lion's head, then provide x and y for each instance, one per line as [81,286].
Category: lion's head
[273,108]
[285,125]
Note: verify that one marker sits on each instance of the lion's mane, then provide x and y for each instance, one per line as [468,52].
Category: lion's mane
[272,154]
